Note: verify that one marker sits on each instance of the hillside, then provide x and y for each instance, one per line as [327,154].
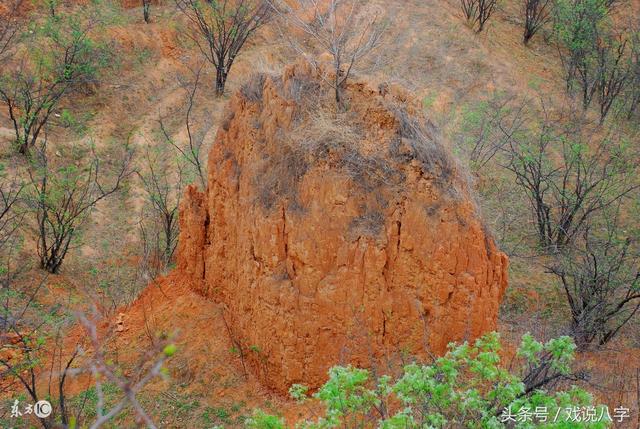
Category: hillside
[216,247]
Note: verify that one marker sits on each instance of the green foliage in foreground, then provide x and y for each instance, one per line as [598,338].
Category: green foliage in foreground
[466,388]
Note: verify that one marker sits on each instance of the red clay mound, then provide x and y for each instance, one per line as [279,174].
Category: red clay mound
[336,236]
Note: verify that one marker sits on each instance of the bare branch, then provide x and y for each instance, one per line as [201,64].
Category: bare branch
[220,29]
[340,27]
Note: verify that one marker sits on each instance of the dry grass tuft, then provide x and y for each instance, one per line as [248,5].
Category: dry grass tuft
[253,88]
[416,142]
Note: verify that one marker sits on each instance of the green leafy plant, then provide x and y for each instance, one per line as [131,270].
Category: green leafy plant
[262,420]
[468,387]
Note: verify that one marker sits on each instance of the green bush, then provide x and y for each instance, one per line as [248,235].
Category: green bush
[468,387]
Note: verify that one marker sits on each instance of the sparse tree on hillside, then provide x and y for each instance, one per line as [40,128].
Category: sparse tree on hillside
[163,182]
[61,198]
[577,26]
[537,13]
[614,73]
[164,175]
[11,216]
[344,29]
[595,60]
[192,151]
[633,89]
[61,58]
[486,127]
[600,276]
[568,178]
[478,12]
[9,25]
[221,28]
[10,192]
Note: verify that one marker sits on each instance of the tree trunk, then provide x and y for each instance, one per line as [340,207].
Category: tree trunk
[146,6]
[221,80]
[23,148]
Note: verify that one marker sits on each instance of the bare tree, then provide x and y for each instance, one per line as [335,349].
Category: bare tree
[600,277]
[11,217]
[168,167]
[633,89]
[163,182]
[613,76]
[62,198]
[537,13]
[340,27]
[220,29]
[566,189]
[10,193]
[64,57]
[478,12]
[192,151]
[9,24]
[486,128]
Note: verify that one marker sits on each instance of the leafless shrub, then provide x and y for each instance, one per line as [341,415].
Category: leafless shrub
[301,90]
[11,188]
[566,189]
[9,25]
[192,151]
[61,198]
[632,94]
[221,28]
[613,73]
[164,177]
[600,276]
[11,218]
[163,182]
[370,172]
[478,12]
[322,137]
[340,27]
[333,139]
[537,13]
[281,174]
[486,127]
